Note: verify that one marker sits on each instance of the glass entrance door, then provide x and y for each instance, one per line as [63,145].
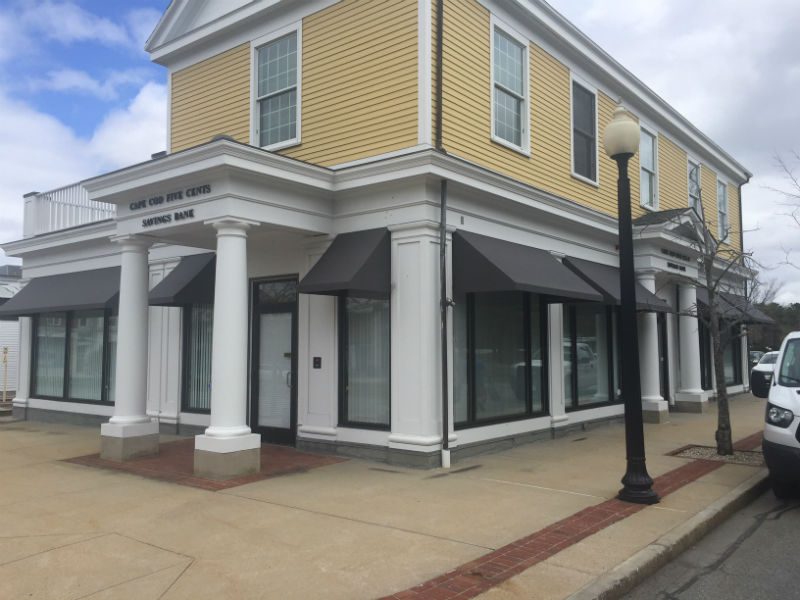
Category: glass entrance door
[274,378]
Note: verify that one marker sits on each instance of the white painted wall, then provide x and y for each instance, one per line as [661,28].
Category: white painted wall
[9,338]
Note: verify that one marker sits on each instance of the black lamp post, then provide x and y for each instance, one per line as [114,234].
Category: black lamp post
[621,142]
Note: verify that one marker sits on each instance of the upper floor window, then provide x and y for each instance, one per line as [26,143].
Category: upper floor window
[277,93]
[722,210]
[647,160]
[510,90]
[694,186]
[584,132]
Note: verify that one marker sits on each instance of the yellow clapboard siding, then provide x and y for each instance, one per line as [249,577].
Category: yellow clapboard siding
[734,210]
[359,81]
[210,98]
[673,175]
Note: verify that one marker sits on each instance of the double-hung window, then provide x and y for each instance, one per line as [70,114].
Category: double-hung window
[277,92]
[694,186]
[722,210]
[647,179]
[509,90]
[584,132]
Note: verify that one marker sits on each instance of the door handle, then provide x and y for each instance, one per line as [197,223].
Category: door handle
[288,379]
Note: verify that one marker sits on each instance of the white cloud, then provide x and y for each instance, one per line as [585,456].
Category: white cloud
[39,152]
[67,22]
[73,80]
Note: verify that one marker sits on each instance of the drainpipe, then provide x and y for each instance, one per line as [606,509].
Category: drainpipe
[444,301]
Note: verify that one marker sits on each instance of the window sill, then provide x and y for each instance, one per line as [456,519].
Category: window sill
[499,420]
[585,180]
[282,145]
[653,208]
[510,146]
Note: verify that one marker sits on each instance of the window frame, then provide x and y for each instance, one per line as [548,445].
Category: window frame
[472,421]
[525,147]
[645,129]
[575,80]
[186,321]
[723,235]
[255,111]
[343,349]
[689,163]
[65,397]
[572,404]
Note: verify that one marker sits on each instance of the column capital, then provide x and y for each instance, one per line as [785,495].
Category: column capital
[132,243]
[231,225]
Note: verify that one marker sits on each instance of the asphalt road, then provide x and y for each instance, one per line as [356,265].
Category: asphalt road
[755,555]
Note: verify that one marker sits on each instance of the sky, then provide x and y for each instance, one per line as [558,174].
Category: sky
[79,96]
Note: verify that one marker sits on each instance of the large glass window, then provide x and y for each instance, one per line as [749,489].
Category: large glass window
[694,186]
[647,175]
[732,359]
[584,134]
[789,372]
[510,89]
[50,347]
[86,355]
[589,356]
[73,356]
[500,363]
[366,368]
[198,321]
[277,91]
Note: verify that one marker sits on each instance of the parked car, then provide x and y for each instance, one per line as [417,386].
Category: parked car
[781,444]
[761,374]
[755,356]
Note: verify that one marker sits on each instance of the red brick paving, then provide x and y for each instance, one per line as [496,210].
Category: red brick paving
[473,578]
[175,463]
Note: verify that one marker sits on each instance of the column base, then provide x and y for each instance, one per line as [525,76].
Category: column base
[226,458]
[691,402]
[124,442]
[655,410]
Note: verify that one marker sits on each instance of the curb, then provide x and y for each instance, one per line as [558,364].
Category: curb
[624,577]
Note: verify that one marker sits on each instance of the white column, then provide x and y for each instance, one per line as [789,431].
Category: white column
[555,338]
[653,405]
[601,341]
[690,397]
[23,385]
[130,432]
[228,433]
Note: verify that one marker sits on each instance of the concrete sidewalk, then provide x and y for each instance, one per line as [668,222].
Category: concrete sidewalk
[354,529]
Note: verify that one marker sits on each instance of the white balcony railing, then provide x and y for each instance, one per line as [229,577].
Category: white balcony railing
[63,208]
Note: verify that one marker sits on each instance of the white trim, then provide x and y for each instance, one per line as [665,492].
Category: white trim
[593,90]
[525,148]
[654,134]
[726,234]
[255,45]
[424,72]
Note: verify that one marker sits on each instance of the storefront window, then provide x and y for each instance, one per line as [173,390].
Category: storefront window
[588,356]
[199,320]
[499,360]
[86,355]
[733,358]
[111,357]
[73,356]
[366,391]
[50,346]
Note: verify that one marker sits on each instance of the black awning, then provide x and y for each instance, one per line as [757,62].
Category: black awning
[190,282]
[486,264]
[733,307]
[605,279]
[81,290]
[357,263]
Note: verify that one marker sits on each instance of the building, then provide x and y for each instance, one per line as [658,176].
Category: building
[287,242]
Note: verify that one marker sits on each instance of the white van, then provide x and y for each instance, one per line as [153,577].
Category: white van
[782,429]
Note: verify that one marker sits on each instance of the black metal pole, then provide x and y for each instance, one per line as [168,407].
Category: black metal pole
[637,484]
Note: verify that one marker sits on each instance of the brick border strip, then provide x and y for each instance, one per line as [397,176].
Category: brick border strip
[475,577]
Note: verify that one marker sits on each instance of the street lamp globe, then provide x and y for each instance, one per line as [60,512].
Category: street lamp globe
[621,134]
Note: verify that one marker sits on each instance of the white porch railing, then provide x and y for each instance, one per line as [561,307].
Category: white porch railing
[62,208]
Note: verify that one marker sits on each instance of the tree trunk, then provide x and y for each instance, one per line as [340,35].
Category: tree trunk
[724,436]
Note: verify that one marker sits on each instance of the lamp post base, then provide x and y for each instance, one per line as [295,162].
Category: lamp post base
[638,486]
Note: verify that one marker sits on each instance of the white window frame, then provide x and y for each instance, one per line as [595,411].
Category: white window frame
[689,163]
[593,90]
[525,148]
[255,46]
[652,132]
[723,233]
